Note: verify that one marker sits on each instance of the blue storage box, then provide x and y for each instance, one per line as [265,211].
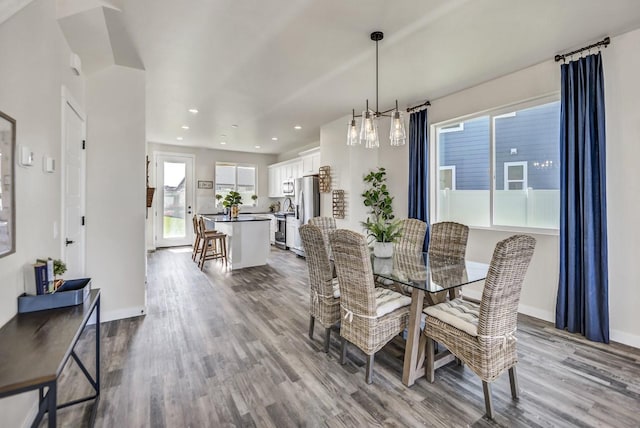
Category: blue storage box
[72,292]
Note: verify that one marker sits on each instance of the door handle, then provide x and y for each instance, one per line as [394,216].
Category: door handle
[68,242]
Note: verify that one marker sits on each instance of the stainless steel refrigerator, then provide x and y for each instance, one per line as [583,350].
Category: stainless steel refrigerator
[307,206]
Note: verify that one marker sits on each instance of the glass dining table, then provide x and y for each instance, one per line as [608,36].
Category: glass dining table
[430,277]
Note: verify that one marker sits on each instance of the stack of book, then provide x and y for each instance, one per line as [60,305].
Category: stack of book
[41,278]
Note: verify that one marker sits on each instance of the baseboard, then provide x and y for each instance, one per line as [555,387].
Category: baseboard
[31,414]
[618,336]
[534,312]
[118,314]
[625,338]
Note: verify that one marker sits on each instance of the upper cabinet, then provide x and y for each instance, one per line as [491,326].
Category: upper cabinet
[307,163]
[310,161]
[275,182]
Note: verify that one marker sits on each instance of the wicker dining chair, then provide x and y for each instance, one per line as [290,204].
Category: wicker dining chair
[326,225]
[325,293]
[413,234]
[371,316]
[447,240]
[410,243]
[483,336]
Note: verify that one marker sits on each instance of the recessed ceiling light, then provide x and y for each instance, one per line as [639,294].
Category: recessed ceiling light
[297,127]
[234,126]
[223,142]
[179,138]
[185,126]
[274,138]
[193,110]
[257,147]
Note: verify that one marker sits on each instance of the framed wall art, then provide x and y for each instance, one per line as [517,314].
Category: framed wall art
[203,184]
[7,185]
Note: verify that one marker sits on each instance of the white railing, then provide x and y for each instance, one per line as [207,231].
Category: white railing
[522,208]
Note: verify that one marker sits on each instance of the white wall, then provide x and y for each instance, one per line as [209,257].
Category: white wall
[116,195]
[349,164]
[34,67]
[622,91]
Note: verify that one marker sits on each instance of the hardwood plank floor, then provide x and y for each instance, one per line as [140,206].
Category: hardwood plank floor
[231,349]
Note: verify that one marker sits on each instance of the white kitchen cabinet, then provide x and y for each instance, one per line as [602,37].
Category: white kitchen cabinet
[291,230]
[296,169]
[273,226]
[315,162]
[310,162]
[275,182]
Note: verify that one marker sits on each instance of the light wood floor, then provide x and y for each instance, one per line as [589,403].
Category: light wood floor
[231,349]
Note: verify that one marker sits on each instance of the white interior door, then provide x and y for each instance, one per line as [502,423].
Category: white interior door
[174,206]
[74,185]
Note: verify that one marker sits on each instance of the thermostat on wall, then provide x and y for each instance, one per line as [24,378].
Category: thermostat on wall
[25,156]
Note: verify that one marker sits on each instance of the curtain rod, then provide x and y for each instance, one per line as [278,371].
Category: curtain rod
[424,104]
[604,42]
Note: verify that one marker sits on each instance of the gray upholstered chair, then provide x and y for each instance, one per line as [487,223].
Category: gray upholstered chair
[324,291]
[371,316]
[483,335]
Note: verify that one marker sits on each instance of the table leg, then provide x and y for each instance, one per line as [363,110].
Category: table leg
[52,404]
[409,370]
[98,347]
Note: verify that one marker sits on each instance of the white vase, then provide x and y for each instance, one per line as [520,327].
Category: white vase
[383,250]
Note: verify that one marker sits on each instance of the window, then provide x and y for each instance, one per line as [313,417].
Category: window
[501,168]
[238,177]
[448,177]
[515,175]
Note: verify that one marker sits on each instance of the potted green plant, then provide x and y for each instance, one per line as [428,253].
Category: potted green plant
[255,199]
[59,268]
[380,225]
[232,200]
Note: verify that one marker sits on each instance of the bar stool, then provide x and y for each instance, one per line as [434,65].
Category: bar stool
[213,245]
[196,240]
[197,243]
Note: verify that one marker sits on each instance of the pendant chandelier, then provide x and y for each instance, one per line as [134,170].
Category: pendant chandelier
[368,133]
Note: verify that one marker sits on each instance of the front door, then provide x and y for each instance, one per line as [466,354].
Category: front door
[74,184]
[174,206]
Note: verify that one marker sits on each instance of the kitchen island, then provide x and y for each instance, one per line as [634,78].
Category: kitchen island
[247,238]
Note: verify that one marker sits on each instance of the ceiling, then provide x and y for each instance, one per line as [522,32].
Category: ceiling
[267,66]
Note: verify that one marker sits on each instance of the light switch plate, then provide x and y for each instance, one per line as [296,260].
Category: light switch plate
[25,156]
[48,164]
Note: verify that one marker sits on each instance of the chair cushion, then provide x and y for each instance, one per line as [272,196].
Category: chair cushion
[336,288]
[388,301]
[458,313]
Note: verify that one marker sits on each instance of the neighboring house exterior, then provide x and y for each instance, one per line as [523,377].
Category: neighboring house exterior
[527,141]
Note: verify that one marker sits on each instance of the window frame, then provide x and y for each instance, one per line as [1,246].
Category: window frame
[236,165]
[505,110]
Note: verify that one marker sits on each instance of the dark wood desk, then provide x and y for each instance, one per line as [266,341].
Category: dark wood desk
[34,348]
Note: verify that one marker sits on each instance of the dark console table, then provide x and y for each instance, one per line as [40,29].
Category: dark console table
[34,348]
